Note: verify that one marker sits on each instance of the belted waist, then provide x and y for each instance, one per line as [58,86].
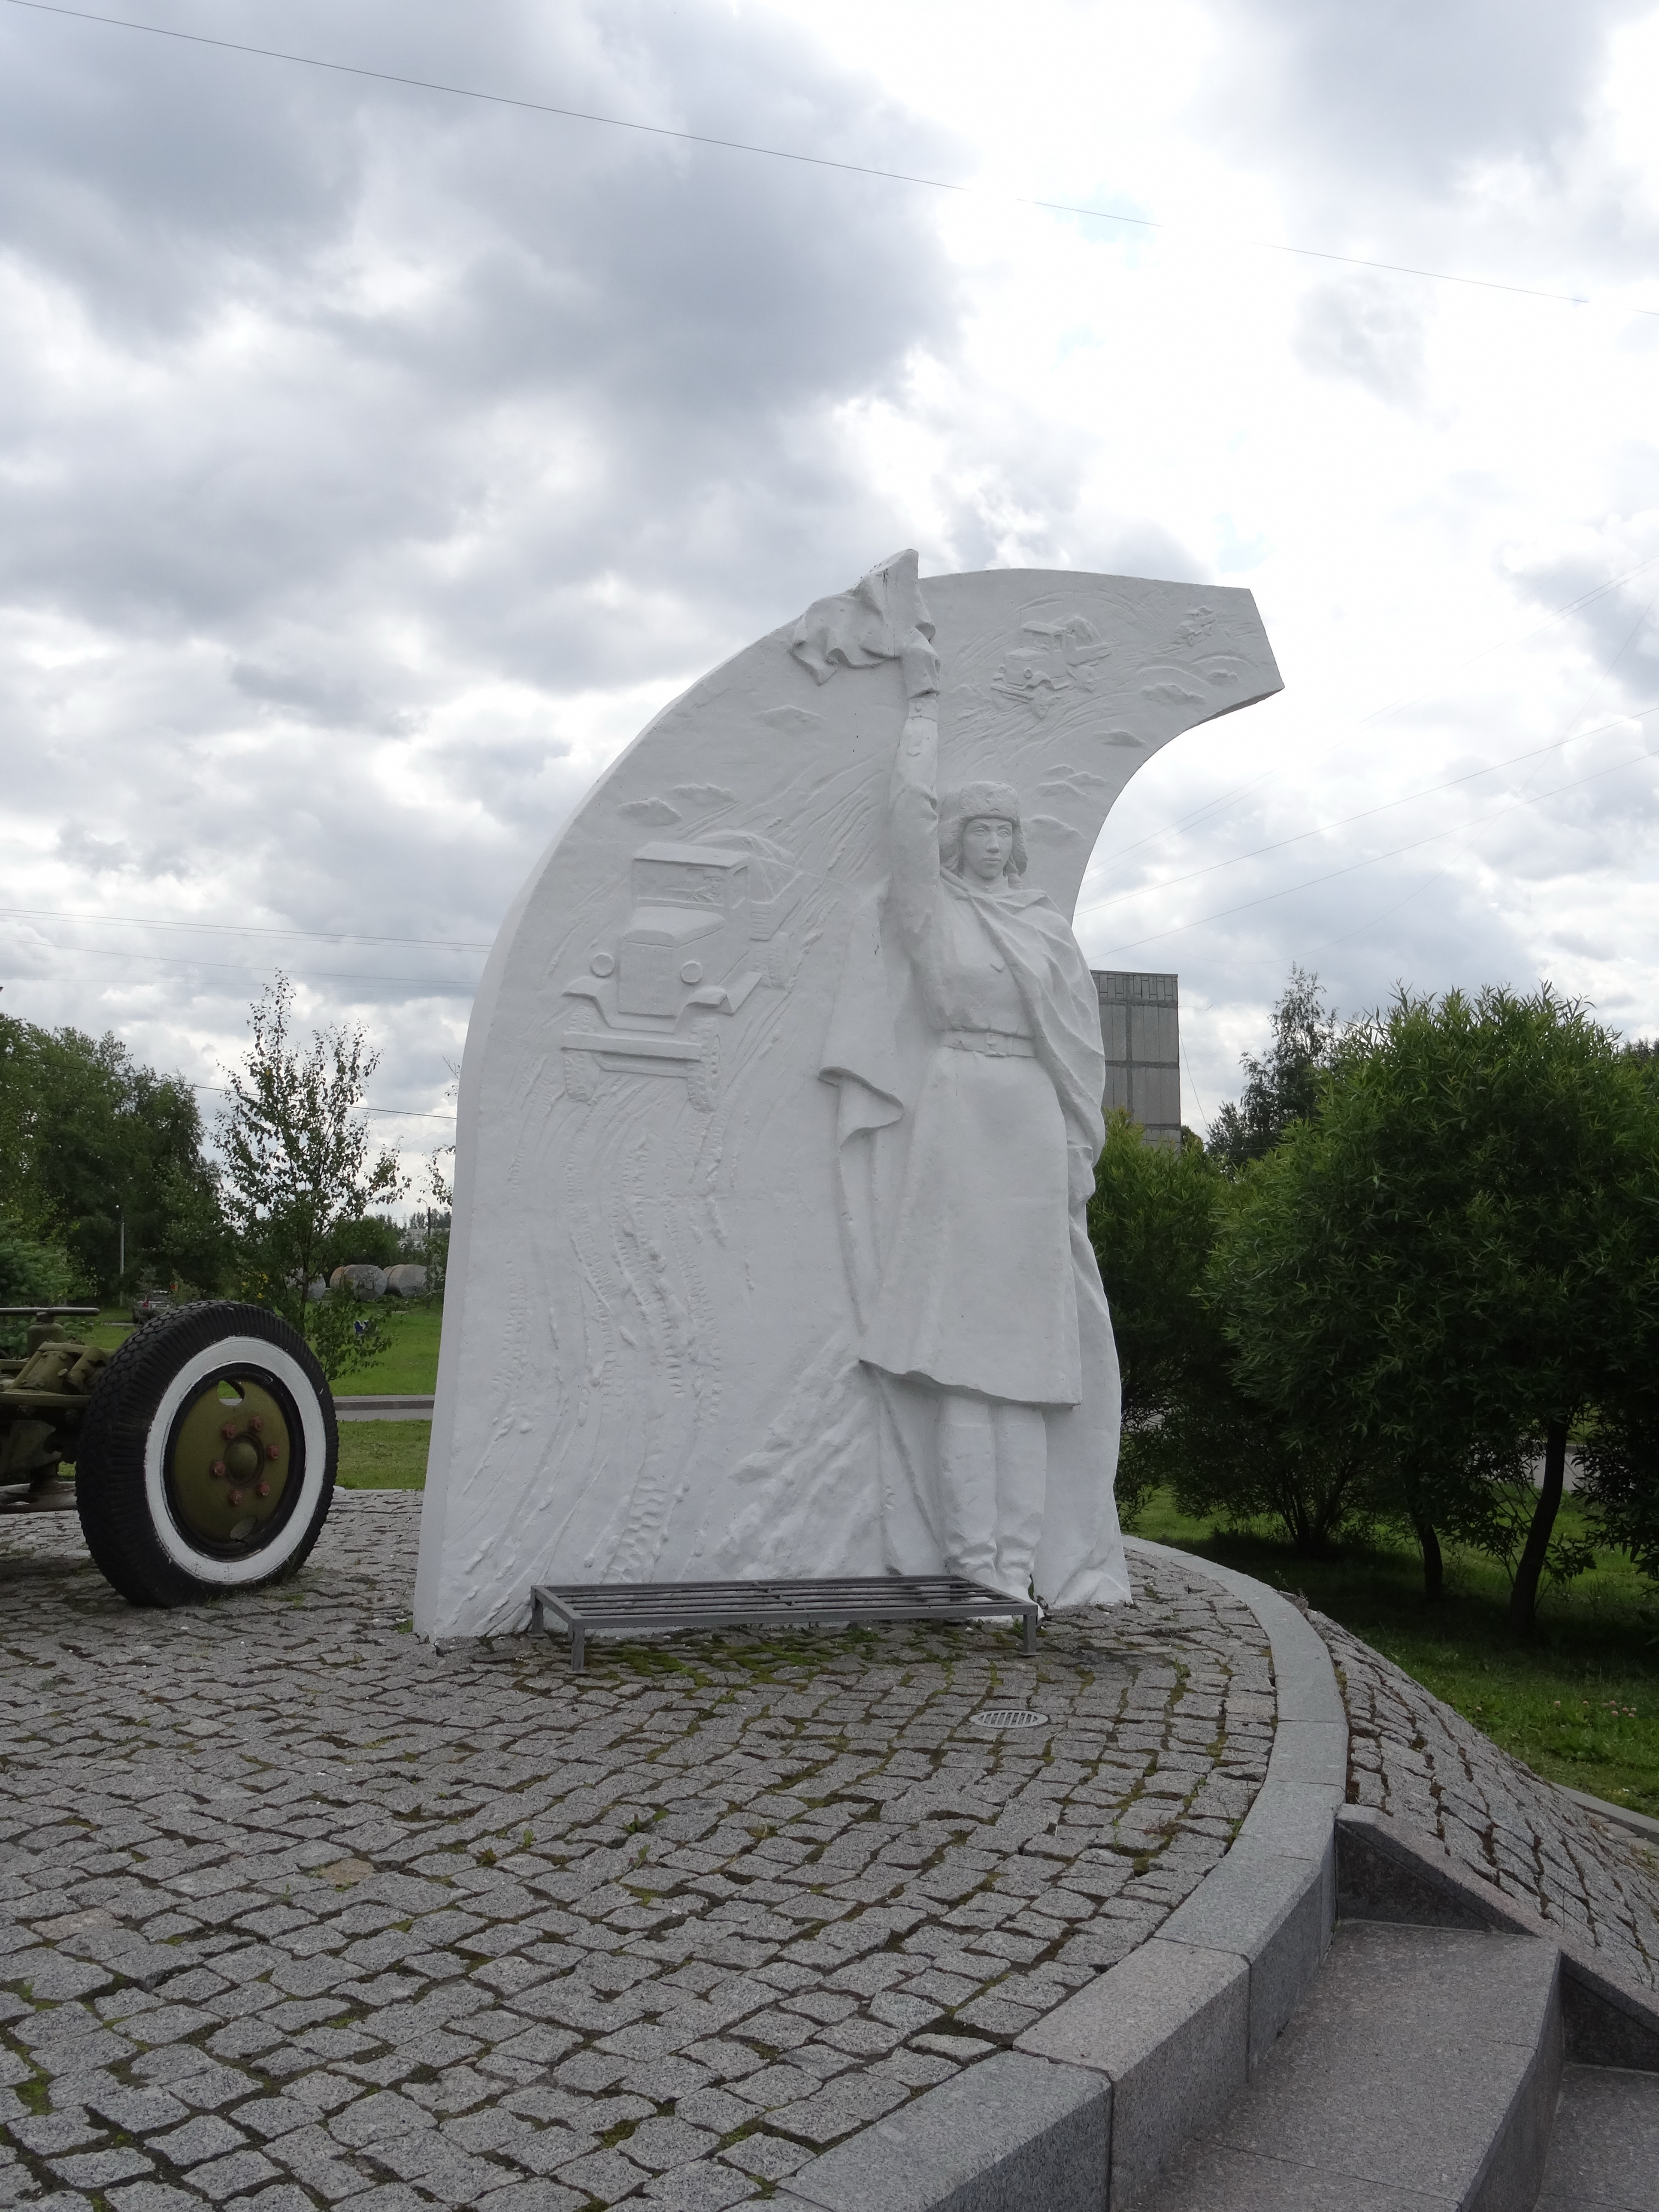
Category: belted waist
[995,1044]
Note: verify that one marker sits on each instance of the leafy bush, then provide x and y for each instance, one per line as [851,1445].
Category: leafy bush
[299,1168]
[96,1150]
[31,1274]
[1152,1223]
[374,1240]
[347,1333]
[1455,1261]
[1285,1085]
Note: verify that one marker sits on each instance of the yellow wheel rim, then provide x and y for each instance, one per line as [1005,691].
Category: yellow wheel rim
[231,1462]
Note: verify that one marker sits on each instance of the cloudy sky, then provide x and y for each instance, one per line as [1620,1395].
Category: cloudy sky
[375,461]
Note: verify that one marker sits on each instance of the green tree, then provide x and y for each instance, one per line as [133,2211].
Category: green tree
[1455,1261]
[98,1151]
[1152,1223]
[1619,1457]
[1619,1446]
[1228,1450]
[374,1239]
[429,1230]
[1156,1219]
[31,1274]
[426,1242]
[1283,1087]
[297,1164]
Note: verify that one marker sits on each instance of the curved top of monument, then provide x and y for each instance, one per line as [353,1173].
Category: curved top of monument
[645,1256]
[1060,682]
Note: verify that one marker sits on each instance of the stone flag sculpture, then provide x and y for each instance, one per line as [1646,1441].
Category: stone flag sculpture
[779,1112]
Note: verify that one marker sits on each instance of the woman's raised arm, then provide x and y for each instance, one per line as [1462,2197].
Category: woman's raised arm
[913,820]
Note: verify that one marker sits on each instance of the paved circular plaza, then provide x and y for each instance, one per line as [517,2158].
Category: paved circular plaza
[299,1911]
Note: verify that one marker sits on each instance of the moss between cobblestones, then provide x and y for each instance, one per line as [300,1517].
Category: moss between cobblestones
[803,1828]
[802,1654]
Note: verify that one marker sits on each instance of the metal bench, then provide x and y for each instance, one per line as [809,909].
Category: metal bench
[584,1606]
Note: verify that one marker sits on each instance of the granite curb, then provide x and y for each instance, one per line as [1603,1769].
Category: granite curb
[1621,1816]
[1113,2081]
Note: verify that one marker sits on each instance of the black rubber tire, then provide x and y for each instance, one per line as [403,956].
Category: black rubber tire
[145,1550]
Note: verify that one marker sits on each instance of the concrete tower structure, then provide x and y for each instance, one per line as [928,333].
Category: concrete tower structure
[1141,1029]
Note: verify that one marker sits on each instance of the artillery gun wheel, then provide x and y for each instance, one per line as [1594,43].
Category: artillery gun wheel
[208,1455]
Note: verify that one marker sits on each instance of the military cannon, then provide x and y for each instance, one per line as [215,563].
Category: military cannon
[204,1448]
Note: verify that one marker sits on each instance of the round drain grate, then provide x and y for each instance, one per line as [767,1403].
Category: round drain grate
[1009,1717]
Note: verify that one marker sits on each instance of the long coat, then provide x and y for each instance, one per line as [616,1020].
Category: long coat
[964,1173]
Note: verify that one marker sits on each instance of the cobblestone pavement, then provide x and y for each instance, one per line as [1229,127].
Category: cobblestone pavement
[1413,1757]
[296,1911]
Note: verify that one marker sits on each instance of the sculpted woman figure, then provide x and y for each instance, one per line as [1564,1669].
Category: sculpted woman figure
[983,1304]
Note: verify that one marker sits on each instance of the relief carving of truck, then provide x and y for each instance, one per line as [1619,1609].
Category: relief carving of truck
[705,931]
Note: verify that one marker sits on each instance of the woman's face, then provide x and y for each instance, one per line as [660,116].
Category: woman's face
[987,842]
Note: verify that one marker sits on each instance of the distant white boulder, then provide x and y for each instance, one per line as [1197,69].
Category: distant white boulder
[358,1276]
[317,1290]
[406,1281]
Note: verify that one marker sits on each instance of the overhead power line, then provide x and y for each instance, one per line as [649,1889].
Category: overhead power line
[1110,860]
[250,929]
[434,985]
[1312,883]
[1179,929]
[393,1113]
[453,984]
[1382,713]
[1385,806]
[1506,644]
[787,154]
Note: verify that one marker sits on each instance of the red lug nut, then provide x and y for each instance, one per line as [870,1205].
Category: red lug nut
[262,1490]
[270,1451]
[218,1467]
[235,1496]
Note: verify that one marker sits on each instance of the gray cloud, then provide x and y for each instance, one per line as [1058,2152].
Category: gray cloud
[332,405]
[1410,95]
[372,463]
[1620,629]
[453,309]
[330,701]
[1365,329]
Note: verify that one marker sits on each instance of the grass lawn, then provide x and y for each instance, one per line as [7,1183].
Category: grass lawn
[410,1367]
[408,1370]
[384,1454]
[110,1330]
[1581,1705]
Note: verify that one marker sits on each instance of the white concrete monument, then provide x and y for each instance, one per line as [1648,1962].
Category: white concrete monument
[780,1110]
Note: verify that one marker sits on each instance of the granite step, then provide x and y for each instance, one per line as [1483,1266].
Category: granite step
[1604,2150]
[1420,2072]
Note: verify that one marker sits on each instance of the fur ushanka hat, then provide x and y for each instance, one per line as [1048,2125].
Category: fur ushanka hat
[979,802]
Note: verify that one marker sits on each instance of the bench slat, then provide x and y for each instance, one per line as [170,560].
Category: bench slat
[582,1608]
